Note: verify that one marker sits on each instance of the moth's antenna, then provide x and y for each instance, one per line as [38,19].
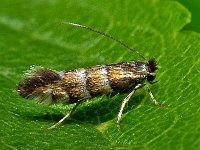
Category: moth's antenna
[106,35]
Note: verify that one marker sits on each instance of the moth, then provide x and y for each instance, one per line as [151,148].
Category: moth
[78,85]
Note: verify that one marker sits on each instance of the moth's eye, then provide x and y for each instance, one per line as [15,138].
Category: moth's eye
[152,65]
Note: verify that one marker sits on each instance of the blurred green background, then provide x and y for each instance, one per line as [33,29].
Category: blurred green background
[31,33]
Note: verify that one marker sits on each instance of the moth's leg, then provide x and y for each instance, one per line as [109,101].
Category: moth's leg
[152,97]
[66,116]
[126,99]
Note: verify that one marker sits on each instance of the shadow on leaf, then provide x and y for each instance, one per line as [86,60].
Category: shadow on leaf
[94,112]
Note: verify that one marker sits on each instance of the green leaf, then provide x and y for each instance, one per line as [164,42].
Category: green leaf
[32,34]
[194,7]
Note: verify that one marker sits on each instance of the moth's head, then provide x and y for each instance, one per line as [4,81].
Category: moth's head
[152,67]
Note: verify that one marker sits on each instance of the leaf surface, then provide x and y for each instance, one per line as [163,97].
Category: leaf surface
[32,34]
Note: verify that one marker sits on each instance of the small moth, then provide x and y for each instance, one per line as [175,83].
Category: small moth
[76,86]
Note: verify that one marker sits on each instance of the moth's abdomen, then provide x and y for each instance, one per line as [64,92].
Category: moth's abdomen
[81,84]
[98,80]
[74,83]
